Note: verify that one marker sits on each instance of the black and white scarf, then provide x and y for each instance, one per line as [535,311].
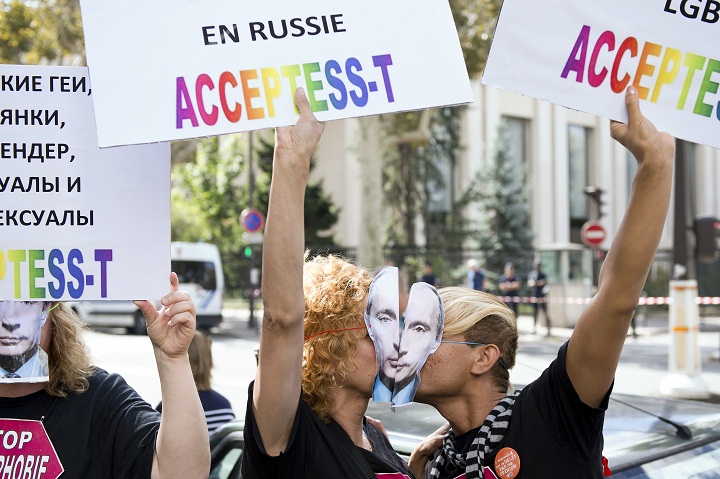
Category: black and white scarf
[489,435]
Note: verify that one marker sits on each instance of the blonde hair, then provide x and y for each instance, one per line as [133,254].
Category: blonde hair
[201,361]
[482,318]
[68,358]
[335,295]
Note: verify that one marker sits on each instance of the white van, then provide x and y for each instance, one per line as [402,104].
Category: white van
[199,270]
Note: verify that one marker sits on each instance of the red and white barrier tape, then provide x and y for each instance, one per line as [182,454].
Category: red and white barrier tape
[644,301]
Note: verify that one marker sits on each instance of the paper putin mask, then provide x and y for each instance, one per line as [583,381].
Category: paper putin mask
[422,328]
[382,318]
[21,358]
[402,345]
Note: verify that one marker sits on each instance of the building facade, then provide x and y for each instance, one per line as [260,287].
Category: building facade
[561,150]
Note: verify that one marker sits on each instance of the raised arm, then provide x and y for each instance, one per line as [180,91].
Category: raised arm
[597,341]
[277,383]
[182,426]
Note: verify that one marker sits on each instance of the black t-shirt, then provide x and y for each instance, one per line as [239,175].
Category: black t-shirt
[217,409]
[314,451]
[510,279]
[106,432]
[537,290]
[478,280]
[553,432]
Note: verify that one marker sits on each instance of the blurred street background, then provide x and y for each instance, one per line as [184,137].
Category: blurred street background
[644,362]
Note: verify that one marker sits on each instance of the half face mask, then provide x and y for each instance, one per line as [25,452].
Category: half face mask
[402,344]
[21,358]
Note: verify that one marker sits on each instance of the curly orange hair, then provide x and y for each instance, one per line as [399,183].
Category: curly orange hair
[335,296]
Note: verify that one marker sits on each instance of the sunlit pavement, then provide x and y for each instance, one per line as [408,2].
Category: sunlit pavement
[643,365]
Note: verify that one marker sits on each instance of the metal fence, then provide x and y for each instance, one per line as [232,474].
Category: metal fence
[450,267]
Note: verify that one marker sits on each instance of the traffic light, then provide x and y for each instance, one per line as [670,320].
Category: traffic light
[247,251]
[595,193]
[707,232]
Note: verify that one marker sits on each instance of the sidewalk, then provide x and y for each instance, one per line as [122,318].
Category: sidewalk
[644,361]
[643,364]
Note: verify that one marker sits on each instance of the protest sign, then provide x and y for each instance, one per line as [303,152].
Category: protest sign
[26,451]
[583,54]
[76,222]
[174,69]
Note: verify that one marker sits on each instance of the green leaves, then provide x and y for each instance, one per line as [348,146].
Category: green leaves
[49,30]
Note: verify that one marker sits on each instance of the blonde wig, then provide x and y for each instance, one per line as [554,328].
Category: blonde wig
[482,318]
[201,361]
[335,295]
[68,357]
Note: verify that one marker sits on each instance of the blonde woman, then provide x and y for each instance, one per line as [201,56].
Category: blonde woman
[553,427]
[98,425]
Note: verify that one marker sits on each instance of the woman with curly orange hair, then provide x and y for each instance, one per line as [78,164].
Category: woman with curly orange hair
[316,364]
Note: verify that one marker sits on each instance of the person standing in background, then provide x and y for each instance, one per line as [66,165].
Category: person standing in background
[539,289]
[217,408]
[476,276]
[509,285]
[428,275]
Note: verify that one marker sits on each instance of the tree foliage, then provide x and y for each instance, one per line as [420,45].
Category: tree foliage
[475,21]
[211,188]
[411,166]
[49,30]
[320,212]
[505,235]
[210,193]
[414,172]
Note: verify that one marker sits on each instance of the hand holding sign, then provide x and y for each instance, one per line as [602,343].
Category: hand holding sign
[171,328]
[639,135]
[300,139]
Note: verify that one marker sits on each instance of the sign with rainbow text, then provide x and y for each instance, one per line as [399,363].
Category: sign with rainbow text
[583,54]
[174,69]
[76,222]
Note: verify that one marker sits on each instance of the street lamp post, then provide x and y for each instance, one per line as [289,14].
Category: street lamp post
[681,266]
[251,204]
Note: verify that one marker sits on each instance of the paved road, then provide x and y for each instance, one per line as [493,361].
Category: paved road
[644,363]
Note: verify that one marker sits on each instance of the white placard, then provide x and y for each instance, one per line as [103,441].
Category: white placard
[583,54]
[174,69]
[76,221]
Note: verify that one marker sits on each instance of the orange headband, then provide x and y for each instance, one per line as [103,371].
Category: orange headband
[333,331]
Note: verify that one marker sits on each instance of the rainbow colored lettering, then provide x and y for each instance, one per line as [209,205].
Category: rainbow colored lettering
[674,65]
[348,87]
[66,271]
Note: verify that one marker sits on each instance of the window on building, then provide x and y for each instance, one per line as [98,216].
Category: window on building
[517,131]
[579,138]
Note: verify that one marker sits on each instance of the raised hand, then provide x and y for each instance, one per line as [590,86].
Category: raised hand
[299,140]
[639,135]
[171,328]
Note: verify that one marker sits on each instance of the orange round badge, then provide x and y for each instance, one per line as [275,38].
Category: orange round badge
[507,463]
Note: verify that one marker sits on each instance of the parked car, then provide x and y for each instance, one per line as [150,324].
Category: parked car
[645,437]
[111,314]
